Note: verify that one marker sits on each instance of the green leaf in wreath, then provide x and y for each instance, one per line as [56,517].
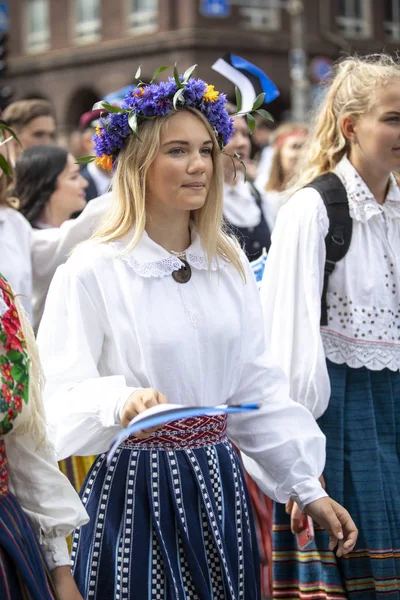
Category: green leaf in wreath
[259,101]
[84,160]
[251,122]
[110,108]
[238,99]
[265,114]
[4,166]
[158,72]
[133,124]
[176,76]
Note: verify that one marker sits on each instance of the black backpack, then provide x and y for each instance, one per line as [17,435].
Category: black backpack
[337,242]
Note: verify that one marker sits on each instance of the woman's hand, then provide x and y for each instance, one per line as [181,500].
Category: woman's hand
[137,403]
[336,521]
[296,516]
[65,584]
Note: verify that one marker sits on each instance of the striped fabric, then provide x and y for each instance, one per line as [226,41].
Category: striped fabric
[23,573]
[170,519]
[76,468]
[362,426]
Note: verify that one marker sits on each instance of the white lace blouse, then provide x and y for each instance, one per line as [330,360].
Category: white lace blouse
[363,294]
[113,324]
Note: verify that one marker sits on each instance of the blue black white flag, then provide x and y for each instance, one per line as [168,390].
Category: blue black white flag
[250,79]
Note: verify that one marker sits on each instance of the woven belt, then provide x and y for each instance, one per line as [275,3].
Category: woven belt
[193,432]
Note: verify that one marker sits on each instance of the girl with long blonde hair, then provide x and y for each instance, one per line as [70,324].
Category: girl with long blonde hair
[337,336]
[161,306]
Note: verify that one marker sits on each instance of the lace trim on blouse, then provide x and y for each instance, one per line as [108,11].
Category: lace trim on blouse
[166,266]
[357,353]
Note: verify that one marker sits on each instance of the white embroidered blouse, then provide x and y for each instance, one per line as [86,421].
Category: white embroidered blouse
[114,324]
[363,293]
[44,493]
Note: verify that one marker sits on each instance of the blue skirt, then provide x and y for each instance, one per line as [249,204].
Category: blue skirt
[170,519]
[23,572]
[362,427]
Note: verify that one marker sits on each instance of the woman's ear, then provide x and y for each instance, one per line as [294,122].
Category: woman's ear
[348,129]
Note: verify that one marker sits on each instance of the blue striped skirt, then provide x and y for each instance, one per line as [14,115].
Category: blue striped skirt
[170,519]
[23,572]
[362,427]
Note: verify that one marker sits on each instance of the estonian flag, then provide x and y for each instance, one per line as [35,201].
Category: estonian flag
[250,79]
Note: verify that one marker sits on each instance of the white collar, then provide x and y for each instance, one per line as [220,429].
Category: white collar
[363,205]
[149,259]
[240,206]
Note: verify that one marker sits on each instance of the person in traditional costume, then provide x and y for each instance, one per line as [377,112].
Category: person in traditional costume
[161,305]
[38,506]
[288,143]
[333,326]
[244,209]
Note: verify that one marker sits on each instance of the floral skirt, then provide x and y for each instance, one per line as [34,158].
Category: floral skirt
[362,427]
[170,519]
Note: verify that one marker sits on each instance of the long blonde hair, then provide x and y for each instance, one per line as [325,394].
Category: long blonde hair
[351,92]
[6,199]
[128,210]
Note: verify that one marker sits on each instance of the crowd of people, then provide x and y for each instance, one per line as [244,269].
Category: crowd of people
[127,285]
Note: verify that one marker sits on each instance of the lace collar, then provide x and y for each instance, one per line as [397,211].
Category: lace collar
[362,203]
[149,259]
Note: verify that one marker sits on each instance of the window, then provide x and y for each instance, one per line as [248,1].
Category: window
[143,15]
[354,18]
[37,18]
[88,21]
[260,14]
[392,19]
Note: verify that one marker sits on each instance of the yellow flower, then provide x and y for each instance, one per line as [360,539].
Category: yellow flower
[105,162]
[210,94]
[98,130]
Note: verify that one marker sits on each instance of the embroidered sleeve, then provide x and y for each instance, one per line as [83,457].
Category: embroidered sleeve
[14,361]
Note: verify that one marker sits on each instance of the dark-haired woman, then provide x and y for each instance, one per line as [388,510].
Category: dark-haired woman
[49,186]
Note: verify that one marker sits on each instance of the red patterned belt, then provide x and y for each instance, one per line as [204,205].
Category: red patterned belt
[4,489]
[193,432]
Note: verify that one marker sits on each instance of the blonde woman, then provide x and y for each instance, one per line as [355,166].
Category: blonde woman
[38,507]
[162,306]
[345,370]
[288,145]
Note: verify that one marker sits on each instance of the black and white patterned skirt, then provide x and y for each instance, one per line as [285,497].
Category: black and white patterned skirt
[170,519]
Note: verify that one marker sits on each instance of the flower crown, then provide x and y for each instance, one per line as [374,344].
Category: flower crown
[148,101]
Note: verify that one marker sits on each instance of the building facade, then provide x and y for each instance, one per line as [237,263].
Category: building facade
[74,52]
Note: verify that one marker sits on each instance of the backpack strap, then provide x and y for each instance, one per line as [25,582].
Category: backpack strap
[337,242]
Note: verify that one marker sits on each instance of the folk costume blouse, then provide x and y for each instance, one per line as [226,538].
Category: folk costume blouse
[15,254]
[44,494]
[115,322]
[363,294]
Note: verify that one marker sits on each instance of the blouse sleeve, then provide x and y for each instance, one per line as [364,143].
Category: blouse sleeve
[82,407]
[283,447]
[291,298]
[46,496]
[51,248]
[51,504]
